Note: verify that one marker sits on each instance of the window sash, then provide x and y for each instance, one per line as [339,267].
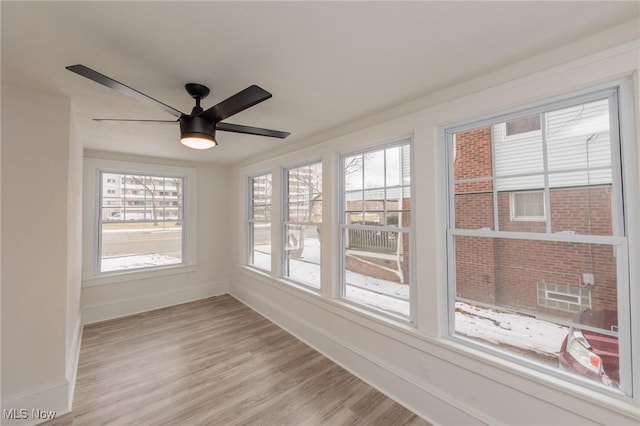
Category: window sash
[135,210]
[308,199]
[260,202]
[357,185]
[618,238]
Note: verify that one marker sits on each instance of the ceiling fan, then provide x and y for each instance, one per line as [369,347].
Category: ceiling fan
[197,130]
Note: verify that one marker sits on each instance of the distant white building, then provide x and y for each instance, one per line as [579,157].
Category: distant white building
[127,197]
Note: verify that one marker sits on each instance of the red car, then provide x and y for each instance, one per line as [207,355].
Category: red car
[593,354]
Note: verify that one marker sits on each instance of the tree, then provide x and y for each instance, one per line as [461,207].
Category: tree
[178,184]
[150,188]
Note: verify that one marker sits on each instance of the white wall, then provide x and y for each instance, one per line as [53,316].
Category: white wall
[460,385]
[38,258]
[128,293]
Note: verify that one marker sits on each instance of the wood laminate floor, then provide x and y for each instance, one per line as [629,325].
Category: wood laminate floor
[215,362]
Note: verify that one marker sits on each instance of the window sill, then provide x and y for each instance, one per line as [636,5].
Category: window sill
[493,365]
[124,276]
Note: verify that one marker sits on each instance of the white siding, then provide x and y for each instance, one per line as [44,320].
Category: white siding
[577,142]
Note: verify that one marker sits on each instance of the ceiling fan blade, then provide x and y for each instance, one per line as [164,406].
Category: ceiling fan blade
[115,85]
[237,128]
[239,102]
[111,120]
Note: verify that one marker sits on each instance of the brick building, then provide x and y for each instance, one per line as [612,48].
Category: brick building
[500,185]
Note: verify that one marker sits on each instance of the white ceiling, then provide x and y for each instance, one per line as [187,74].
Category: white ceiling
[326,63]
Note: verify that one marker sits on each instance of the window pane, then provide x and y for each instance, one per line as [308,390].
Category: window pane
[474,210]
[141,226]
[353,172]
[303,216]
[377,269]
[302,251]
[521,211]
[261,249]
[472,158]
[582,210]
[374,167]
[553,302]
[528,204]
[515,156]
[522,125]
[394,166]
[376,257]
[578,138]
[259,225]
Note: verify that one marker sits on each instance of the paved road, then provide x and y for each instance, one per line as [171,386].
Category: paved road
[152,241]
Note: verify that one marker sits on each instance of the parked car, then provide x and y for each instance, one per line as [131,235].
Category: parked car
[589,353]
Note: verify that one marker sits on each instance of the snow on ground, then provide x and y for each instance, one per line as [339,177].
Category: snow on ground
[137,261]
[500,328]
[520,331]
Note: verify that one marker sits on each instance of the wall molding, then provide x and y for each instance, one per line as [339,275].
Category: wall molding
[137,304]
[53,397]
[390,381]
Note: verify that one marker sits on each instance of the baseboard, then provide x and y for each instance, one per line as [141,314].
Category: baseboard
[417,397]
[133,305]
[37,406]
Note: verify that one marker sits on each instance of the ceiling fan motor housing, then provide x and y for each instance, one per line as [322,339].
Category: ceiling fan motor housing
[196,127]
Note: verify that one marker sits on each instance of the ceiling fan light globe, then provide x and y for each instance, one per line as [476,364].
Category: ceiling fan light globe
[198,141]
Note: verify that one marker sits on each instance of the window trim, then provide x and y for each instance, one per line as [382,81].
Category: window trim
[91,217]
[249,220]
[411,319]
[624,240]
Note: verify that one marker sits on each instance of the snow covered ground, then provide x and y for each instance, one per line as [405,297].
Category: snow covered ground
[500,328]
[116,263]
[503,328]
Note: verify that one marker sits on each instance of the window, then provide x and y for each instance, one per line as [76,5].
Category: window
[143,233]
[543,282]
[570,298]
[522,125]
[376,229]
[527,205]
[302,222]
[260,221]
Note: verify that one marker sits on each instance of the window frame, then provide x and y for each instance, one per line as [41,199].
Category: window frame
[286,221]
[93,167]
[623,238]
[100,220]
[250,222]
[411,319]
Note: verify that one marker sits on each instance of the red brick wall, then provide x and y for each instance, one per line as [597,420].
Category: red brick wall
[473,159]
[506,271]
